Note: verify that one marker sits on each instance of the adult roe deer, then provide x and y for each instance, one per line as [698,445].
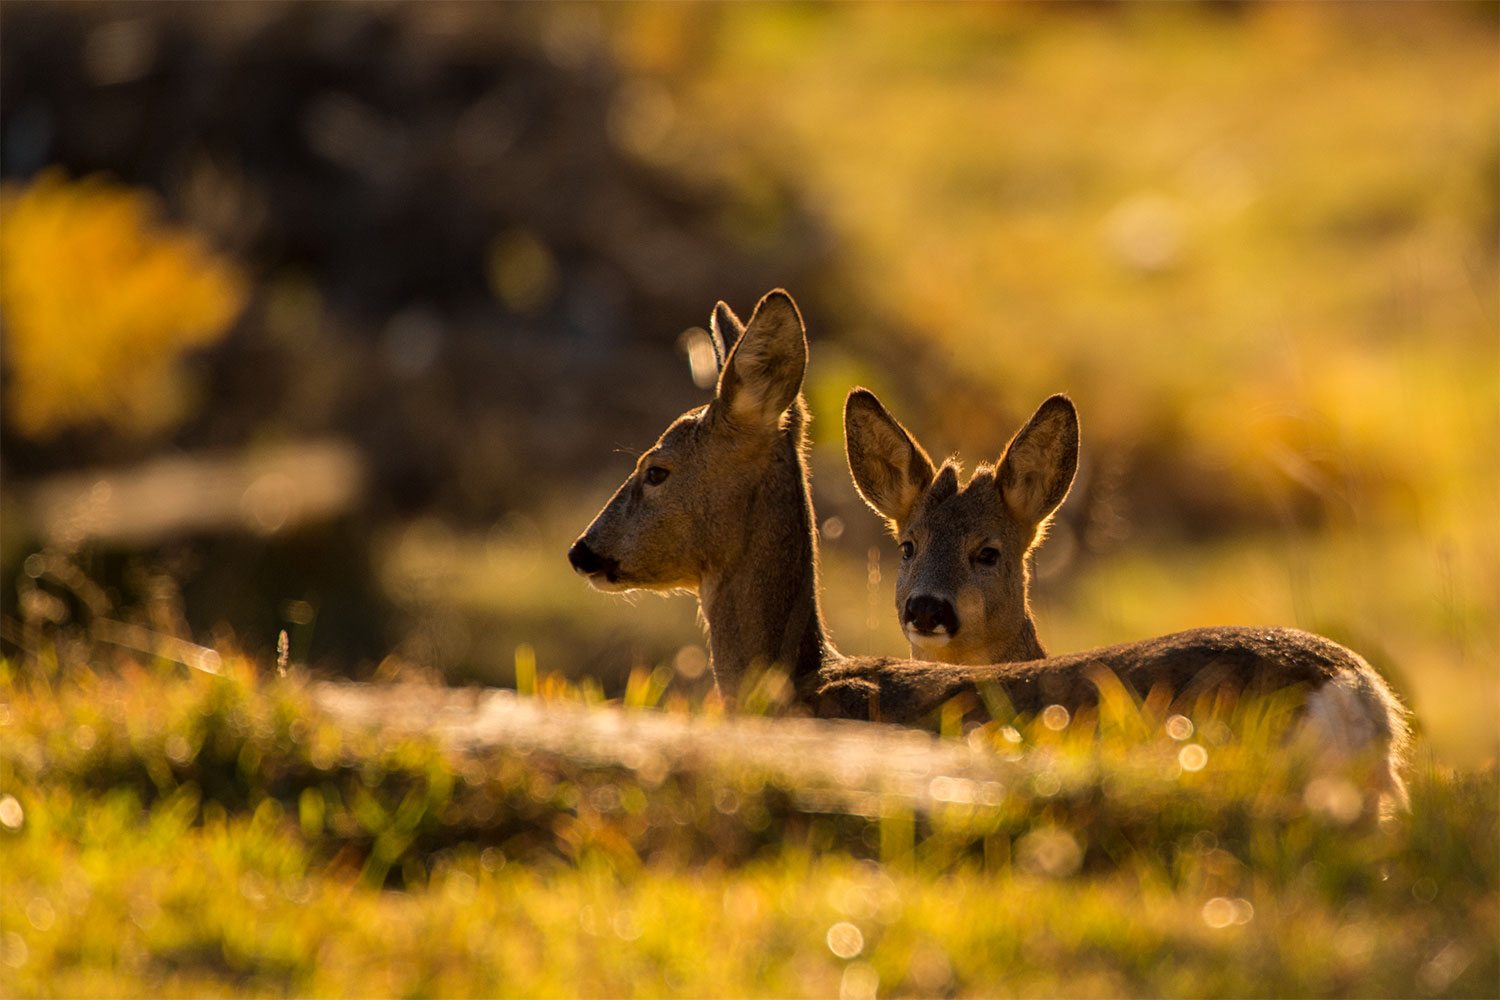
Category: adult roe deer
[962,592]
[720,505]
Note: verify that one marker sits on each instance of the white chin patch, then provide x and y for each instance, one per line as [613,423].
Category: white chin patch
[603,583]
[927,640]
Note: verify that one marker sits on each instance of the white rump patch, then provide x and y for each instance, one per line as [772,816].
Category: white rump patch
[1347,722]
[1338,717]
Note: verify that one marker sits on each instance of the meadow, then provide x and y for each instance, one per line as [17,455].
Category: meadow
[1254,242]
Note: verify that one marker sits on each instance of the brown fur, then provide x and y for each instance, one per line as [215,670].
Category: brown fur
[966,546]
[1186,663]
[732,520]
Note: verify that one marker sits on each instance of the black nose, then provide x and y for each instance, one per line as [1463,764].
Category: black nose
[930,615]
[588,562]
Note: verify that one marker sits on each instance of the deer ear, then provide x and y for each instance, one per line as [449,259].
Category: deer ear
[1037,469]
[724,331]
[763,373]
[890,469]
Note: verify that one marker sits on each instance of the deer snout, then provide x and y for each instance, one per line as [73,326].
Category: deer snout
[587,562]
[929,615]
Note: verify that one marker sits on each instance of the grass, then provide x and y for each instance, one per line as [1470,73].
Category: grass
[188,834]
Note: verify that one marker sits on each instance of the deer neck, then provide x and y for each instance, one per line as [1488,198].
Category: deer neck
[1024,645]
[761,602]
[1020,643]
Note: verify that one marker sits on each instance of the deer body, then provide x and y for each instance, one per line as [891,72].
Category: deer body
[721,506]
[1190,663]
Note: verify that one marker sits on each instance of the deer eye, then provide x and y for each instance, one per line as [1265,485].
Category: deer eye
[987,556]
[908,549]
[655,475]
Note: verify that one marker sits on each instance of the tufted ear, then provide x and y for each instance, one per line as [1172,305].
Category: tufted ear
[890,469]
[763,373]
[724,331]
[1037,469]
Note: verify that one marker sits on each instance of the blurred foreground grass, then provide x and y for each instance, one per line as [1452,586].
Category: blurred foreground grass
[176,834]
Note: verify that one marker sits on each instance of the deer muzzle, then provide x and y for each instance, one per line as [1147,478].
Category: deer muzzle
[601,570]
[930,617]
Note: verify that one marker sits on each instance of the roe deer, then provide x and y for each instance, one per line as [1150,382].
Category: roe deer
[962,590]
[720,506]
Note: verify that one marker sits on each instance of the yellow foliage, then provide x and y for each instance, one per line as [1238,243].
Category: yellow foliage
[99,300]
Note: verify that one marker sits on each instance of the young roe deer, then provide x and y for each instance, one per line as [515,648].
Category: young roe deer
[962,590]
[720,505]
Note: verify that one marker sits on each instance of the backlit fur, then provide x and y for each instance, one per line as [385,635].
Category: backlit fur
[968,545]
[732,518]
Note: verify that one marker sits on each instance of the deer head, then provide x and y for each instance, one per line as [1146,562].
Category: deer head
[962,588]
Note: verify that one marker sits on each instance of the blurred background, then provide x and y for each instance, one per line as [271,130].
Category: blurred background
[342,320]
